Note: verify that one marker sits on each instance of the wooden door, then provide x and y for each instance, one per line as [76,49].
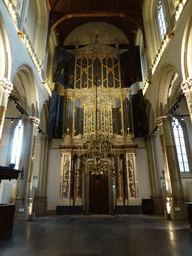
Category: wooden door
[98,195]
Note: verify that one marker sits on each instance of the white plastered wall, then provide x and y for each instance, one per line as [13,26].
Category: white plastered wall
[54,167]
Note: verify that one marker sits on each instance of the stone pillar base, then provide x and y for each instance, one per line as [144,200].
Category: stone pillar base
[176,208]
[158,205]
[78,201]
[126,201]
[119,201]
[41,205]
[135,201]
[71,201]
[63,202]
[23,209]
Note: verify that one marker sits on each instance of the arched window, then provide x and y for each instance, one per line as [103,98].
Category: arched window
[17,144]
[161,19]
[180,146]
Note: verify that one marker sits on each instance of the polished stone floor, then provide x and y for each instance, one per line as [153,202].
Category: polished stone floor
[99,235]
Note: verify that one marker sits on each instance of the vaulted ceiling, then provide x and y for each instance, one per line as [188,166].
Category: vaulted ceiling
[66,15]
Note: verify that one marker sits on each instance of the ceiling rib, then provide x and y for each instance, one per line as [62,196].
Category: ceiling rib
[90,15]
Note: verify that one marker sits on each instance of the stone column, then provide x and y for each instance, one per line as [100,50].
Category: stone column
[175,204]
[65,178]
[78,200]
[119,198]
[5,89]
[41,198]
[24,199]
[156,194]
[132,183]
[186,86]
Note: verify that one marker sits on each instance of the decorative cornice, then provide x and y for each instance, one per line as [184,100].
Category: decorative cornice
[96,49]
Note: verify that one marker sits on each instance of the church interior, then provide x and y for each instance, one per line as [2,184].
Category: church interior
[96,107]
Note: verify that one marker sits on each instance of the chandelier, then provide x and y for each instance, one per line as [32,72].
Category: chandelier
[99,157]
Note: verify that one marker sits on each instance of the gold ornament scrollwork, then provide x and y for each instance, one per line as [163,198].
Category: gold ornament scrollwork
[131,175]
[64,183]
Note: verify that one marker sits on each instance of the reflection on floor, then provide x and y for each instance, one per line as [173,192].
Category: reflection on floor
[99,235]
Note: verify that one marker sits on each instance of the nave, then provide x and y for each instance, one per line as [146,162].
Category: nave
[99,235]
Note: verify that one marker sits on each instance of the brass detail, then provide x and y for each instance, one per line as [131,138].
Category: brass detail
[171,34]
[124,96]
[71,97]
[20,34]
[77,97]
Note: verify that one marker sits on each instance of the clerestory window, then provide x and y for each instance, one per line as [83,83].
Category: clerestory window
[180,146]
[161,20]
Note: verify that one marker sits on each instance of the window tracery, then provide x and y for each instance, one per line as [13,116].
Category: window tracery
[180,146]
[17,144]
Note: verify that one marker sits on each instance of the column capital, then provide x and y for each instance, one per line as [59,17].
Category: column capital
[161,119]
[186,85]
[6,84]
[34,120]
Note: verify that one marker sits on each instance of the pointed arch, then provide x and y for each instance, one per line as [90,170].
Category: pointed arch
[169,84]
[25,90]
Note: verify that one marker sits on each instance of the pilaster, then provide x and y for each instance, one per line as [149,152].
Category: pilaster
[132,183]
[78,200]
[119,198]
[65,178]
